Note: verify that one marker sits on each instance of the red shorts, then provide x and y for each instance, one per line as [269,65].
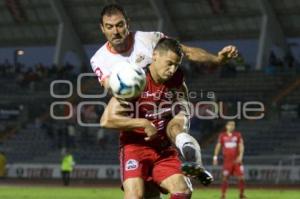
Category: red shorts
[147,163]
[231,168]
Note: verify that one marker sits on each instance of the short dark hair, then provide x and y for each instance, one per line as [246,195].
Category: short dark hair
[112,9]
[166,44]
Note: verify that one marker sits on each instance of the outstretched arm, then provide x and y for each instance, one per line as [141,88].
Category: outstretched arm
[201,55]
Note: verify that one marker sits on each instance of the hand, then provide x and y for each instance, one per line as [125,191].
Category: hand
[238,160]
[215,161]
[159,124]
[228,52]
[150,130]
[123,102]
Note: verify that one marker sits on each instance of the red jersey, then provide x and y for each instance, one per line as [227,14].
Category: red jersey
[154,98]
[230,145]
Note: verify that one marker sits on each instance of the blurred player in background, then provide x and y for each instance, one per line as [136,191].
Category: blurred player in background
[146,151]
[3,162]
[232,145]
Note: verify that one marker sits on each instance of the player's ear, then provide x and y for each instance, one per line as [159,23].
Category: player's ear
[127,26]
[127,23]
[154,56]
[101,27]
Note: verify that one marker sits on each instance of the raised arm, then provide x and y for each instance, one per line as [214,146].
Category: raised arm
[201,55]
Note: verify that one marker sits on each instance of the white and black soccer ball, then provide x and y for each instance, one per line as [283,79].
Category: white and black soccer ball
[127,81]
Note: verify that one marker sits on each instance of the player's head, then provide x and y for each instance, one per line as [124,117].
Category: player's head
[167,57]
[114,24]
[230,126]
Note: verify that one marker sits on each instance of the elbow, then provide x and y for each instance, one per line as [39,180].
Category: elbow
[104,123]
[108,123]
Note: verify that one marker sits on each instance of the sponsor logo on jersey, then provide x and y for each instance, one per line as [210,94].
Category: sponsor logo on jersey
[131,164]
[156,95]
[162,95]
[230,145]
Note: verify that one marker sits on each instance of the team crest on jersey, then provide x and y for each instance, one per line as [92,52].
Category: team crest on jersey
[139,58]
[131,164]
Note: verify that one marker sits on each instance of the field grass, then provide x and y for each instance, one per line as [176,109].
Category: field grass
[30,192]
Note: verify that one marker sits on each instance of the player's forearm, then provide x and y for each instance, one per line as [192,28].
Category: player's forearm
[200,55]
[217,150]
[105,83]
[183,100]
[115,116]
[121,122]
[241,151]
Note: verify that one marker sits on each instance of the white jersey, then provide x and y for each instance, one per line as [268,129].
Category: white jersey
[139,53]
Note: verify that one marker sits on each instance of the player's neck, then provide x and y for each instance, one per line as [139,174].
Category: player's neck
[154,75]
[229,132]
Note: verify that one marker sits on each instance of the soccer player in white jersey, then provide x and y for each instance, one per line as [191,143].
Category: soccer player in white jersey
[137,48]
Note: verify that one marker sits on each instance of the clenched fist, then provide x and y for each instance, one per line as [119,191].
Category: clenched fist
[228,52]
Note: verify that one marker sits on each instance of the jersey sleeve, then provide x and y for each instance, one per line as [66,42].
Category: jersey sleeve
[99,69]
[156,37]
[150,38]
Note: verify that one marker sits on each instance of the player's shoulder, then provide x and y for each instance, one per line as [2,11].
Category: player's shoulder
[99,55]
[149,38]
[237,133]
[148,34]
[222,133]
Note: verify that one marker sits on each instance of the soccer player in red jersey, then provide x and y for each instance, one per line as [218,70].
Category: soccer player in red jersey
[146,152]
[232,145]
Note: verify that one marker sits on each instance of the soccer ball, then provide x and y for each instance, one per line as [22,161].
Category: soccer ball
[127,81]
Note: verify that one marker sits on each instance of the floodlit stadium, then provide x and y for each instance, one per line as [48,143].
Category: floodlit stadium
[241,64]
